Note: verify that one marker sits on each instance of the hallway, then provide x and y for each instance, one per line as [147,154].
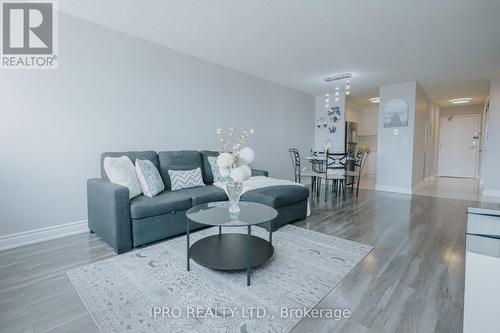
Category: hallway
[454,188]
[442,187]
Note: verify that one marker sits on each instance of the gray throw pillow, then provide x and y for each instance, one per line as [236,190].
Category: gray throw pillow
[215,170]
[149,178]
[180,179]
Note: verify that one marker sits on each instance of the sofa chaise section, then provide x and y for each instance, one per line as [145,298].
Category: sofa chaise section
[125,224]
[289,200]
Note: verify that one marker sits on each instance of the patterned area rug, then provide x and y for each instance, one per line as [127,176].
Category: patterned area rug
[149,289]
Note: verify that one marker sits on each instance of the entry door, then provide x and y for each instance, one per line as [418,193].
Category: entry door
[459,141]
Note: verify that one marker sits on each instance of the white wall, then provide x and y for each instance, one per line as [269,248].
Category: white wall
[370,141]
[483,147]
[395,152]
[436,130]
[322,134]
[462,110]
[368,121]
[431,139]
[492,159]
[419,136]
[353,116]
[114,92]
[402,159]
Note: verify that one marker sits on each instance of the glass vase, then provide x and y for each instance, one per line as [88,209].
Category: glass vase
[234,190]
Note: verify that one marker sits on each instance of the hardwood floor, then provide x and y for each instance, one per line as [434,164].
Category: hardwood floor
[412,281]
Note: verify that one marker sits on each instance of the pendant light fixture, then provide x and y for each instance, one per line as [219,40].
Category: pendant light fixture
[340,79]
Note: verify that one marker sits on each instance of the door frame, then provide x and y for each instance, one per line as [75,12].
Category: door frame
[442,119]
[484,143]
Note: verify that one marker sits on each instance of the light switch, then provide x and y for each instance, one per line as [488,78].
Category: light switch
[396,131]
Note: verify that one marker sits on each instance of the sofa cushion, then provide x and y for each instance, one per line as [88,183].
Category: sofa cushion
[177,160]
[208,177]
[133,155]
[201,195]
[163,203]
[277,196]
[180,179]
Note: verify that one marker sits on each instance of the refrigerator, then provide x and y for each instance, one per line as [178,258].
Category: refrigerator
[351,136]
[351,141]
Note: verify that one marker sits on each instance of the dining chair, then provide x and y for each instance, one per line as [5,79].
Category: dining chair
[359,163]
[300,172]
[335,170]
[318,166]
[317,153]
[350,167]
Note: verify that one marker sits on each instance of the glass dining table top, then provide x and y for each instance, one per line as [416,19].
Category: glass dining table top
[320,157]
[217,214]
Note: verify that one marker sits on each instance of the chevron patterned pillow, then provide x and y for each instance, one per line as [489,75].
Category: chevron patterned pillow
[180,179]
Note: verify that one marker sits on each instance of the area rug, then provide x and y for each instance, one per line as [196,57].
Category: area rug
[149,289]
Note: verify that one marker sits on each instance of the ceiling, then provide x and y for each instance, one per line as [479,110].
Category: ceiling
[451,47]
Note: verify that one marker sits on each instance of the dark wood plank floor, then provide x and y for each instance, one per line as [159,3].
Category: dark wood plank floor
[412,281]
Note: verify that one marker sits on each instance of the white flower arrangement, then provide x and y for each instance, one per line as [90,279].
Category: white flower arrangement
[235,164]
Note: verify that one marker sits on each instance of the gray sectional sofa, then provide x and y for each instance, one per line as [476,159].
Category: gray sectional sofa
[125,223]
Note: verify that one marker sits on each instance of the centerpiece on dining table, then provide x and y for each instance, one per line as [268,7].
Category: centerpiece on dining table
[234,164]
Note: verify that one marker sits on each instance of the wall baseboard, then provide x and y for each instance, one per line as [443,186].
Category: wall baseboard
[41,235]
[419,185]
[402,189]
[491,193]
[430,178]
[395,189]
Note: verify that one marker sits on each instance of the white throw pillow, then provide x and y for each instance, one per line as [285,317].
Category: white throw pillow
[218,178]
[149,178]
[180,179]
[121,171]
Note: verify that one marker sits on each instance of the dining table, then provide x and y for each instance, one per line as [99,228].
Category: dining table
[321,157]
[317,163]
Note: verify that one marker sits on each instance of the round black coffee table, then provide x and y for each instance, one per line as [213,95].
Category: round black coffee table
[231,251]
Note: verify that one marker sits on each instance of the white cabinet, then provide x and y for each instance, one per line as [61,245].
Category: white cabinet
[368,123]
[482,272]
[370,167]
[372,163]
[353,116]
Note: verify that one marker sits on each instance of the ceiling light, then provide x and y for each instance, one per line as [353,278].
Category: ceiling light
[339,80]
[342,76]
[375,100]
[461,100]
